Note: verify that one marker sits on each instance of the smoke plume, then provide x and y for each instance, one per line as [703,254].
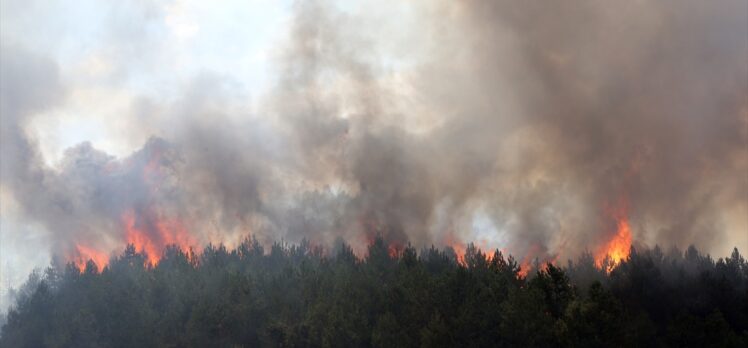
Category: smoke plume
[529,126]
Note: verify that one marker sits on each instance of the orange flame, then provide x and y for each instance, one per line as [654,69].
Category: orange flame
[168,232]
[146,229]
[85,253]
[534,254]
[458,247]
[139,239]
[394,250]
[618,248]
[524,268]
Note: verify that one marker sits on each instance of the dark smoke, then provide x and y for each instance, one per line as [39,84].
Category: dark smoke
[531,115]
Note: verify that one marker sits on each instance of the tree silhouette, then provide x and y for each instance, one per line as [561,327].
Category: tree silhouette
[296,295]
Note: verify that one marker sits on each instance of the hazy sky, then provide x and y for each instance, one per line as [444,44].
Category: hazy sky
[111,54]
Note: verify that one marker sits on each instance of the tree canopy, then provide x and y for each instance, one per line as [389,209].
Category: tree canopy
[297,296]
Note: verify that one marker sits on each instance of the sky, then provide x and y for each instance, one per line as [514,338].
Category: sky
[110,55]
[533,128]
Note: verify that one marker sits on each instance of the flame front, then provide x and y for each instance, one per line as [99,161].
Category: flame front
[86,253]
[166,232]
[138,238]
[147,225]
[618,248]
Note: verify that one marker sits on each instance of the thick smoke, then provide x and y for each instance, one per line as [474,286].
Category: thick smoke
[526,119]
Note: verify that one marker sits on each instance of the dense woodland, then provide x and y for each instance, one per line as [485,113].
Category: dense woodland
[296,296]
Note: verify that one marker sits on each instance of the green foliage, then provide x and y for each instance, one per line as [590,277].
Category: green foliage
[295,296]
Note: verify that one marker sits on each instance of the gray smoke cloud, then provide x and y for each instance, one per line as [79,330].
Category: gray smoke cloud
[526,119]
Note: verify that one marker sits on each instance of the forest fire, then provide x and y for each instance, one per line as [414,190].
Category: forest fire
[394,250]
[619,246]
[86,253]
[458,247]
[139,239]
[367,174]
[152,241]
